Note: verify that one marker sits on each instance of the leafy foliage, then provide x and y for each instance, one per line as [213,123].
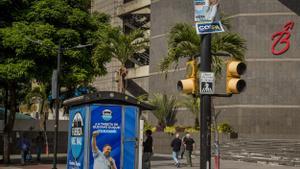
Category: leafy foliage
[225,128]
[115,44]
[166,109]
[30,34]
[185,43]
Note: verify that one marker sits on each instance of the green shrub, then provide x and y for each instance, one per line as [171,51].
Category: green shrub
[225,128]
[148,126]
[170,130]
[191,130]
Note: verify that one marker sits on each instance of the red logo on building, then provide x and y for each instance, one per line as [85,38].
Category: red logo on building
[282,38]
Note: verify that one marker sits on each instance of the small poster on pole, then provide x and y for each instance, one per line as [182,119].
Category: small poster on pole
[207,83]
[207,17]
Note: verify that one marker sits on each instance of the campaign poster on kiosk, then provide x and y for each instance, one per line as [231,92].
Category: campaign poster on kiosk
[105,137]
[76,138]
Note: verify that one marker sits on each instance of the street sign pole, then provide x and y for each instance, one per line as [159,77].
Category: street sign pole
[205,106]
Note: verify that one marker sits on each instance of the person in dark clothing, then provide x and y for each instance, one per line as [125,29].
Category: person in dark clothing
[24,146]
[176,144]
[39,141]
[148,150]
[189,146]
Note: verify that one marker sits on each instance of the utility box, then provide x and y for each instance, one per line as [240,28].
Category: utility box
[104,131]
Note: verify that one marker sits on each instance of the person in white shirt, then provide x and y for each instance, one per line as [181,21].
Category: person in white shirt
[102,160]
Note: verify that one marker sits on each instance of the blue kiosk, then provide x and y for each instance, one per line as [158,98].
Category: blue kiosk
[104,131]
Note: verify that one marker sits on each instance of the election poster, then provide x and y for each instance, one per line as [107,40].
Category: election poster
[76,138]
[207,16]
[105,136]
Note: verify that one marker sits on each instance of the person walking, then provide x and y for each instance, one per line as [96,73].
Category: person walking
[189,146]
[24,146]
[176,144]
[39,142]
[148,150]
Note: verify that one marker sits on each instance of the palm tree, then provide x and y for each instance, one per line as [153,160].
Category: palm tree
[38,94]
[113,43]
[185,43]
[193,105]
[166,109]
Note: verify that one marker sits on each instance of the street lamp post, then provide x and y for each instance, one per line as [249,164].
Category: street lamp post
[57,101]
[59,51]
[56,90]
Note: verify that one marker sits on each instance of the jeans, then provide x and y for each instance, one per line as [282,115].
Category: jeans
[188,157]
[147,160]
[175,156]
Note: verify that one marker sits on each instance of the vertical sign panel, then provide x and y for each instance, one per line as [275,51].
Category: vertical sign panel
[207,17]
[130,136]
[105,136]
[76,138]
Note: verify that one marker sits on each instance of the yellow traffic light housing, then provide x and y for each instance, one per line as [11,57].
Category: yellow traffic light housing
[235,85]
[190,84]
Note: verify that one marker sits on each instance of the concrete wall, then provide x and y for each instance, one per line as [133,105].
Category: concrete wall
[270,107]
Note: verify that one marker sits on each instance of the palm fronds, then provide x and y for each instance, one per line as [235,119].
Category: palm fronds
[185,43]
[166,109]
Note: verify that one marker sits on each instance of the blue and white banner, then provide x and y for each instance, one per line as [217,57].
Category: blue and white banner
[206,28]
[207,16]
[105,136]
[76,138]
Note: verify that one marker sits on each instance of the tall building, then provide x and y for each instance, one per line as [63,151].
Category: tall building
[129,15]
[270,106]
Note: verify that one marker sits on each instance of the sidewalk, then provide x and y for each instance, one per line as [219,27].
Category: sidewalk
[164,162]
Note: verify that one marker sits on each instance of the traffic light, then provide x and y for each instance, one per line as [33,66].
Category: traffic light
[190,84]
[235,85]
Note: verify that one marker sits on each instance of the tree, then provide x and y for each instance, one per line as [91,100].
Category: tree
[193,105]
[116,44]
[165,109]
[185,43]
[49,22]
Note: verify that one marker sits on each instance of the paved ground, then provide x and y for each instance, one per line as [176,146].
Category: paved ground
[164,162]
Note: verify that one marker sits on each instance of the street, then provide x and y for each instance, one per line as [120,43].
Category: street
[160,162]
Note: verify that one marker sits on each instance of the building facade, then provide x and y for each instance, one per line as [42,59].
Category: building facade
[270,106]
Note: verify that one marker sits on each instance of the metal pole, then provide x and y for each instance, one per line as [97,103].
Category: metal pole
[205,106]
[57,108]
[6,105]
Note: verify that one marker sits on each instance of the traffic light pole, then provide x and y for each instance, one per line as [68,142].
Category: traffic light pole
[205,106]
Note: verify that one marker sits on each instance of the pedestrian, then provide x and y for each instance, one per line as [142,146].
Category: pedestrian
[189,146]
[24,146]
[176,144]
[39,142]
[183,147]
[148,150]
